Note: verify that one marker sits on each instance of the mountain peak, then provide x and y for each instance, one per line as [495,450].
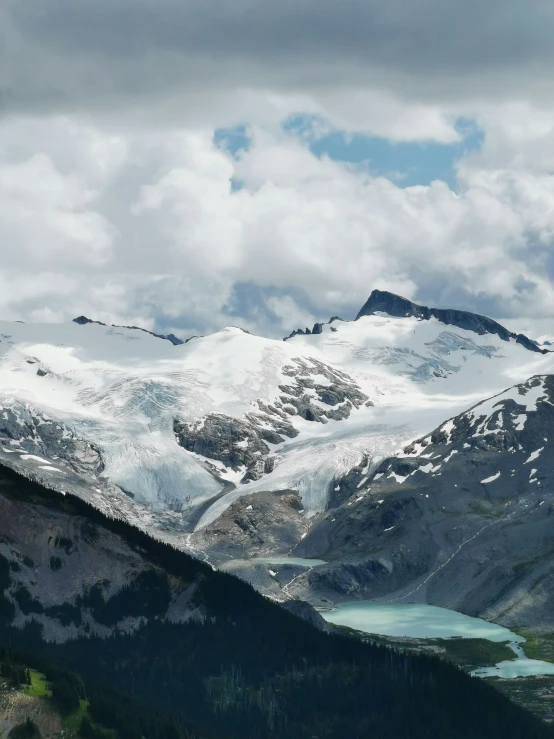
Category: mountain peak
[382,301]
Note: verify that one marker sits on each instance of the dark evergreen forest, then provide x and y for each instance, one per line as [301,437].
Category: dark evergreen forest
[250,670]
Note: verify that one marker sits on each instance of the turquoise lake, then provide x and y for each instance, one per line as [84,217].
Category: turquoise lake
[431,622]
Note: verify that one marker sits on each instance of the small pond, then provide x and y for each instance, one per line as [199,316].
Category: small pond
[283,560]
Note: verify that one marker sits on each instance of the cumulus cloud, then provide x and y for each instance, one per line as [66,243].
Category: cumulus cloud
[34,193]
[336,232]
[116,202]
[148,228]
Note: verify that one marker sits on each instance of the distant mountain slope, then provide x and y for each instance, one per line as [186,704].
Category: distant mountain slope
[201,646]
[462,518]
[83,320]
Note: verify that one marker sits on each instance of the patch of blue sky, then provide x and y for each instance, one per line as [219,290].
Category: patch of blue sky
[233,140]
[406,163]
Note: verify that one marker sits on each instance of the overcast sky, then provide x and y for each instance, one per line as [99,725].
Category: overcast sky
[190,164]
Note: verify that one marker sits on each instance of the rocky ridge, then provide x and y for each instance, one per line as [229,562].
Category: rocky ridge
[381,301]
[461,519]
[175,340]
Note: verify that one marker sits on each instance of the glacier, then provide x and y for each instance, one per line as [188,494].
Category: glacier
[316,405]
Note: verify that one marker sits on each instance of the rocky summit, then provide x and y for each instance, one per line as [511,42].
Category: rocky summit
[394,305]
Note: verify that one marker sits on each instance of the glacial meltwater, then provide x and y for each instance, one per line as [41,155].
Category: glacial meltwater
[430,622]
[284,560]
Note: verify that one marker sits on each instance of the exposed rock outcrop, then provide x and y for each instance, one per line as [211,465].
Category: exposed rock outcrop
[255,525]
[341,489]
[315,392]
[240,444]
[27,431]
[462,519]
[317,329]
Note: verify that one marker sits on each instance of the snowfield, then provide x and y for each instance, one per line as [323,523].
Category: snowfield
[115,393]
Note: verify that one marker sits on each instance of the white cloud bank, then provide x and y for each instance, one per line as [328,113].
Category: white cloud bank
[144,226]
[114,201]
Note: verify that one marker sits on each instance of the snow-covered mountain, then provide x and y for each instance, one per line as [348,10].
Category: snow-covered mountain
[131,420]
[173,436]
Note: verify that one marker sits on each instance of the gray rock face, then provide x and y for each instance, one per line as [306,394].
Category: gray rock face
[71,575]
[395,305]
[464,519]
[340,490]
[269,522]
[341,393]
[244,444]
[24,430]
[235,442]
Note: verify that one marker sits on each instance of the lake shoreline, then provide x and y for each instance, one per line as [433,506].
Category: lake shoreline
[432,622]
